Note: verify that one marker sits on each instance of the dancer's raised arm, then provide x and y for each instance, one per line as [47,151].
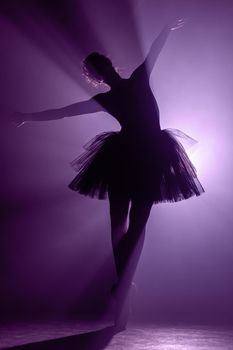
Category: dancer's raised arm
[84,107]
[157,46]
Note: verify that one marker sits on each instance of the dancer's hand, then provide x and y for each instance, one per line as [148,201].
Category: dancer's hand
[176,24]
[18,119]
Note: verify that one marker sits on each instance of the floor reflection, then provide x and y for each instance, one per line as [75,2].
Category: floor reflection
[96,336]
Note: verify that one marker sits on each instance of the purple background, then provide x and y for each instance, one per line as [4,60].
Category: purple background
[55,244]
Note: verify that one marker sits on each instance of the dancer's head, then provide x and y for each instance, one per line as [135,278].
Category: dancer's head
[98,69]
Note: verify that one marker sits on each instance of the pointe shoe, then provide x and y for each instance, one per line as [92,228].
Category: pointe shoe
[123,308]
[122,314]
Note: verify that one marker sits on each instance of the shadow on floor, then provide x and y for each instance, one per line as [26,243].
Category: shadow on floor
[96,340]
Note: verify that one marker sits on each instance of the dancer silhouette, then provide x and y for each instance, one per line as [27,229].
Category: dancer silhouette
[136,167]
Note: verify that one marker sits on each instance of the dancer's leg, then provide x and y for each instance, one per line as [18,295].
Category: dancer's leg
[128,254]
[119,208]
[131,244]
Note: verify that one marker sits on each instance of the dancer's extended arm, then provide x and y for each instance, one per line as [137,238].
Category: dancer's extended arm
[84,107]
[157,46]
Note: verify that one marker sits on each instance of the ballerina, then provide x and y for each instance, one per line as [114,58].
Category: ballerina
[136,167]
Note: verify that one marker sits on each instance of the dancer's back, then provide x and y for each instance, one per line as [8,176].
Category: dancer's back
[133,104]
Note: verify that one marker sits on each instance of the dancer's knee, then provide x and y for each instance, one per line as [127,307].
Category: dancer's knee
[140,211]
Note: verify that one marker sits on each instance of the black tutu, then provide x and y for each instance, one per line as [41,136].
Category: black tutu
[159,170]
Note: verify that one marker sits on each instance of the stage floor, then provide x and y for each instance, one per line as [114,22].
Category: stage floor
[69,335]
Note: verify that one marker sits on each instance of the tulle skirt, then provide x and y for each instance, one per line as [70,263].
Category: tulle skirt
[158,169]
